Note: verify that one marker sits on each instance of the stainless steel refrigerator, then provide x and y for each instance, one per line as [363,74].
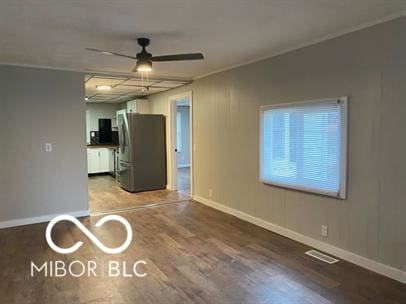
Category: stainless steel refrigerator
[142,157]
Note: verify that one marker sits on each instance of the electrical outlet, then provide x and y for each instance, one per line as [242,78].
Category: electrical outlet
[324,230]
[48,147]
[210,193]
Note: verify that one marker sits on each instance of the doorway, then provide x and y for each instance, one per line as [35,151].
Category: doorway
[108,187]
[181,143]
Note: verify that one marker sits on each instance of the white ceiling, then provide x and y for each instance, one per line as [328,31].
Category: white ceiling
[54,33]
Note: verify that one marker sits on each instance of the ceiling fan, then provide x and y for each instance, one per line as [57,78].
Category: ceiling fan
[144,59]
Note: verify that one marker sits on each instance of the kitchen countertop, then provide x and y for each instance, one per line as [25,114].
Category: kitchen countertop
[103,146]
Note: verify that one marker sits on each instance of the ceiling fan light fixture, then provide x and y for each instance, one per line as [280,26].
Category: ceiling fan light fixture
[143,66]
[144,59]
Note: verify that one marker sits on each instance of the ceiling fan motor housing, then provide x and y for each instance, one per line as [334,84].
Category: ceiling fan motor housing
[143,42]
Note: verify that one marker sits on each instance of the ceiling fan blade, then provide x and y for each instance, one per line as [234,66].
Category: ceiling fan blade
[110,53]
[176,57]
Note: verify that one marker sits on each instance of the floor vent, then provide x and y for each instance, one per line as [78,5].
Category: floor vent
[321,256]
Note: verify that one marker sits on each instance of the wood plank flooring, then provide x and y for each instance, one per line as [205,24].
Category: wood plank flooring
[106,195]
[184,180]
[194,254]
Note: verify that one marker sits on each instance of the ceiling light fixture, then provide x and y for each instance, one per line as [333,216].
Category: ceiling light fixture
[103,87]
[144,59]
[143,65]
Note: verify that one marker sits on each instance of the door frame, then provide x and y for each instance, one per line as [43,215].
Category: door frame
[172,155]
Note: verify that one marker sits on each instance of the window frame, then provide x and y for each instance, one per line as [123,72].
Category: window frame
[342,193]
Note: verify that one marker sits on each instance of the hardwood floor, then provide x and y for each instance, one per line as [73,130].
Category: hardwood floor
[194,254]
[184,180]
[105,195]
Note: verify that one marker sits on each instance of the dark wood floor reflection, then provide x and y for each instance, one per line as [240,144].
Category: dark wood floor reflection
[194,254]
[105,194]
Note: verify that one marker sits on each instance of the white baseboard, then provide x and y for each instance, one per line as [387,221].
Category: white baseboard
[351,257]
[40,219]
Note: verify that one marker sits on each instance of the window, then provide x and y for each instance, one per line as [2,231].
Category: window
[179,132]
[304,146]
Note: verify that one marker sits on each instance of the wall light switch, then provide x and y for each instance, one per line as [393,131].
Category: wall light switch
[210,193]
[48,147]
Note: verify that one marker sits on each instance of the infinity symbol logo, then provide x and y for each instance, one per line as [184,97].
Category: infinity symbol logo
[89,234]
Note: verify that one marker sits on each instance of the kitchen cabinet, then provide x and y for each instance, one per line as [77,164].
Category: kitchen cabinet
[98,160]
[112,164]
[141,106]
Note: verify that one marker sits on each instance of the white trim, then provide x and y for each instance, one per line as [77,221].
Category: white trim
[172,172]
[40,219]
[349,256]
[321,101]
[191,144]
[172,157]
[309,43]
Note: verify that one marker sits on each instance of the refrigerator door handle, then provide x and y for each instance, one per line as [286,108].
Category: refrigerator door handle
[122,142]
[125,164]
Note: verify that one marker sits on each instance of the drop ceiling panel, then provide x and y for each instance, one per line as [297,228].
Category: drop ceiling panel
[124,89]
[169,84]
[139,82]
[156,90]
[96,100]
[90,92]
[95,81]
[103,97]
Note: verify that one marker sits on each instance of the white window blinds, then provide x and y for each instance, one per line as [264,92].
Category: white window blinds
[303,146]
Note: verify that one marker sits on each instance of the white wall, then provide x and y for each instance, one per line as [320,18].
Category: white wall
[39,106]
[141,106]
[369,66]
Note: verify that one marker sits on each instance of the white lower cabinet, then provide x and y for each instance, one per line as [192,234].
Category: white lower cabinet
[92,161]
[97,160]
[112,154]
